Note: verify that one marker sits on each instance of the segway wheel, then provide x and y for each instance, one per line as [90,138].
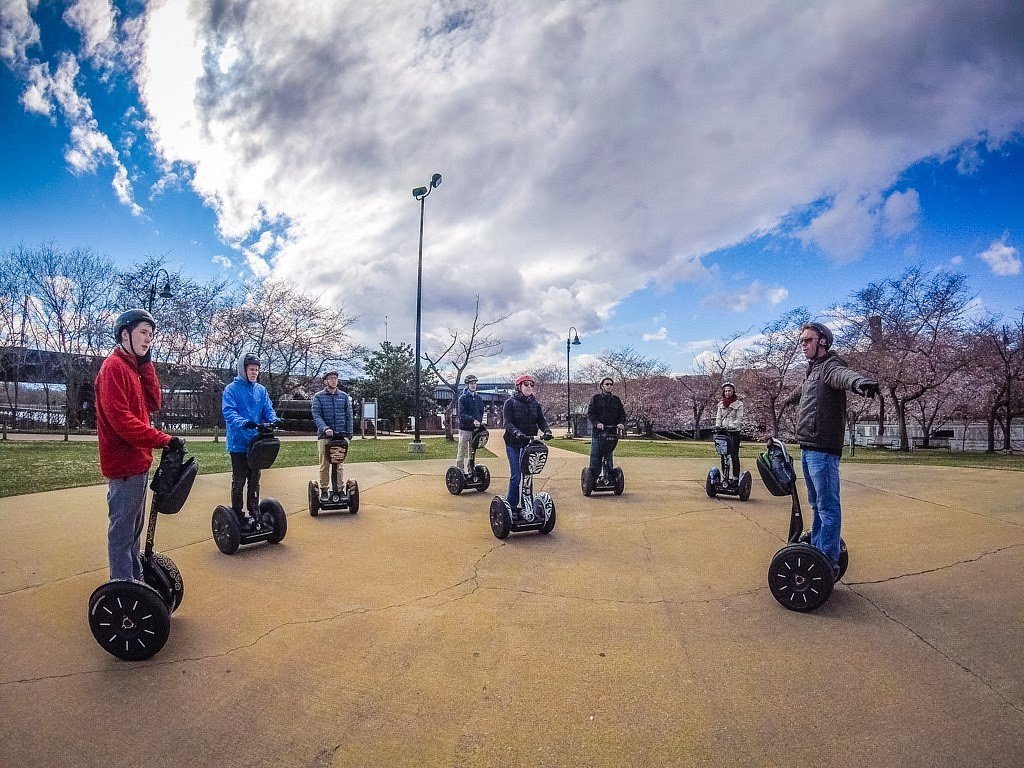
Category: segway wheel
[163,575]
[800,577]
[549,511]
[713,481]
[844,559]
[353,496]
[314,499]
[483,475]
[501,517]
[273,514]
[620,481]
[587,481]
[746,483]
[453,481]
[227,531]
[129,619]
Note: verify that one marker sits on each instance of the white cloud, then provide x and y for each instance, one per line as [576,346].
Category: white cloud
[900,213]
[95,21]
[753,295]
[659,335]
[1003,259]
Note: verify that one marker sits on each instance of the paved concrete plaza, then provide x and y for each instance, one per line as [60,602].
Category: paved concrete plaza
[639,633]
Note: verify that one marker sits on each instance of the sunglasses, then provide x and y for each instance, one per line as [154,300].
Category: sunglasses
[526,384]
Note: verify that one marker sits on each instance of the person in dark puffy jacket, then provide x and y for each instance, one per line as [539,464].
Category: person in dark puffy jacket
[245,405]
[523,417]
[820,429]
[332,414]
[471,414]
[605,412]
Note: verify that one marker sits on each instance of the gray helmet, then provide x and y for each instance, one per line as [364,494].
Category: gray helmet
[471,378]
[128,320]
[824,334]
[250,359]
[728,384]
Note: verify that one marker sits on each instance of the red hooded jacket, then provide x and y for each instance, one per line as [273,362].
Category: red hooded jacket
[125,394]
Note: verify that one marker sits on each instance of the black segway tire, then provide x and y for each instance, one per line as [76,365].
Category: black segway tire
[712,483]
[353,496]
[549,510]
[163,575]
[587,481]
[800,577]
[844,555]
[272,513]
[454,481]
[620,482]
[746,483]
[227,530]
[483,475]
[501,518]
[314,499]
[129,620]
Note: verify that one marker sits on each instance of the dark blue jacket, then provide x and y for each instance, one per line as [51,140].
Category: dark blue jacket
[471,406]
[332,412]
[524,418]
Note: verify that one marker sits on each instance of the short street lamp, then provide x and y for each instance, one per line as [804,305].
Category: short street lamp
[568,413]
[165,292]
[420,193]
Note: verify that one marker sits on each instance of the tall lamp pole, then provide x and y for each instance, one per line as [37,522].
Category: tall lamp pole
[575,341]
[420,193]
[165,292]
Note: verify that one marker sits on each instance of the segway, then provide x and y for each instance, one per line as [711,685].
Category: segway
[800,576]
[132,619]
[478,476]
[720,481]
[268,522]
[337,498]
[609,478]
[536,513]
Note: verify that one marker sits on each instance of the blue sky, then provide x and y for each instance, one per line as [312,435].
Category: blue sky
[657,174]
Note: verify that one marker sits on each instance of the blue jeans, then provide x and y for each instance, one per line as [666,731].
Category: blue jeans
[126,503]
[515,476]
[595,454]
[821,474]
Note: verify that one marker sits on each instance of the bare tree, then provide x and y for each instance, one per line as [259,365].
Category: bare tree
[998,361]
[769,365]
[465,346]
[914,328]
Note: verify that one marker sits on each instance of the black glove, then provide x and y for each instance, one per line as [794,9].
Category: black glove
[868,388]
[548,435]
[250,425]
[175,444]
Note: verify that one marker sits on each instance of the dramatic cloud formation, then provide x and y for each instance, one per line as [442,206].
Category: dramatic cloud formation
[590,150]
[1002,258]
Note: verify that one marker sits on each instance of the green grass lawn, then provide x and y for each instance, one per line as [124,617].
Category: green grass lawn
[30,466]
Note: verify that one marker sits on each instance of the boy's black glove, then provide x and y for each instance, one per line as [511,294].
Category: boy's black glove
[250,425]
[548,435]
[175,444]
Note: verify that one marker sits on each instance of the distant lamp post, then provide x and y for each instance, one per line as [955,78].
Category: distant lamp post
[165,292]
[575,341]
[420,193]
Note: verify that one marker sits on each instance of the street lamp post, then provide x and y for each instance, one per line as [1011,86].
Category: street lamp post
[165,292]
[420,193]
[568,413]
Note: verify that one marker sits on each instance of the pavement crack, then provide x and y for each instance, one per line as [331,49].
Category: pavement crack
[925,641]
[937,569]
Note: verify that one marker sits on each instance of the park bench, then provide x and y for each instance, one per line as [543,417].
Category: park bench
[933,443]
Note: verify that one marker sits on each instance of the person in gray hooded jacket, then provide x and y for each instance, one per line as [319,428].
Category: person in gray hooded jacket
[820,429]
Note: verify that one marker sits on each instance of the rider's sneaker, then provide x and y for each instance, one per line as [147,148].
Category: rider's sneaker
[325,495]
[248,523]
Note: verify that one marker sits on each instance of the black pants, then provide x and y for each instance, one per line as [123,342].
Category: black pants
[734,453]
[240,474]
